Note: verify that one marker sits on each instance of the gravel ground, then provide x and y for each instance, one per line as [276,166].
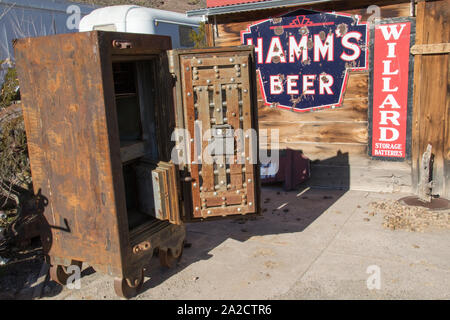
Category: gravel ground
[418,219]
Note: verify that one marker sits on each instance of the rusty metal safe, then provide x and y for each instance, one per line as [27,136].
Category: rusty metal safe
[100,111]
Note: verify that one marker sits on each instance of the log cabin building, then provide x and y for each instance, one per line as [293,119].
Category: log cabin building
[343,141]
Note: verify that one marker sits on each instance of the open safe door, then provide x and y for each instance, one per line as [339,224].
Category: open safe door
[216,113]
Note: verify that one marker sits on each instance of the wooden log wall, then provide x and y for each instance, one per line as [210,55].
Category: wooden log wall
[431,117]
[335,139]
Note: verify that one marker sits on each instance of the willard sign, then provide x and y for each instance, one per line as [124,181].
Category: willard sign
[390,79]
[303,58]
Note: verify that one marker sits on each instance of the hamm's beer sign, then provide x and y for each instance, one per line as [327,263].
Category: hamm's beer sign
[303,58]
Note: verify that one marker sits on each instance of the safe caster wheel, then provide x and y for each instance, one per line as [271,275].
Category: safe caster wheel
[128,288]
[168,258]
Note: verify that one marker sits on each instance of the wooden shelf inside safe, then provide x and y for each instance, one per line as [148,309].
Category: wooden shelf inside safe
[130,150]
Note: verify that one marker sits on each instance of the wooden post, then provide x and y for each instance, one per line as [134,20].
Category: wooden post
[431,106]
[425,185]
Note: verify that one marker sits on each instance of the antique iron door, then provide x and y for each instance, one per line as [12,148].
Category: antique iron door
[219,116]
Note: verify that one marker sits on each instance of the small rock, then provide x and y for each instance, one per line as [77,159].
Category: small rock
[358,206]
[244,230]
[286,210]
[366,219]
[196,278]
[416,246]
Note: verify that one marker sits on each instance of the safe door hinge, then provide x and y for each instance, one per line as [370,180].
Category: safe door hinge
[171,60]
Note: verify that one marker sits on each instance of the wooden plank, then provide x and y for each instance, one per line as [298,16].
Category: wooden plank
[214,201]
[352,110]
[387,9]
[430,101]
[204,118]
[415,146]
[322,151]
[133,151]
[341,132]
[249,123]
[435,48]
[233,120]
[446,192]
[357,86]
[209,34]
[432,114]
[230,26]
[218,115]
[230,33]
[188,103]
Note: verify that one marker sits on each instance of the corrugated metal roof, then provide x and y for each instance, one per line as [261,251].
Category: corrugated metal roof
[248,5]
[224,3]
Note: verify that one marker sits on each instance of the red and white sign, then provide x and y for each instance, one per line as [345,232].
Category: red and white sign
[390,89]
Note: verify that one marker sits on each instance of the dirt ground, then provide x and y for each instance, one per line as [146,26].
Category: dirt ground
[308,244]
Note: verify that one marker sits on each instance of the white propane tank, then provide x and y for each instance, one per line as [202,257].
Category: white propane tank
[137,19]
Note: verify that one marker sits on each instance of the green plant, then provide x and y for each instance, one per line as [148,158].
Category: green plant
[14,161]
[9,92]
[15,175]
[199,38]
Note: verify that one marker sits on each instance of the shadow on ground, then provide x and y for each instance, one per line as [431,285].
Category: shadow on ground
[282,212]
[18,278]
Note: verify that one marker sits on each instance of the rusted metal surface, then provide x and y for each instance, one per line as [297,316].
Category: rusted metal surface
[65,121]
[216,92]
[71,122]
[92,163]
